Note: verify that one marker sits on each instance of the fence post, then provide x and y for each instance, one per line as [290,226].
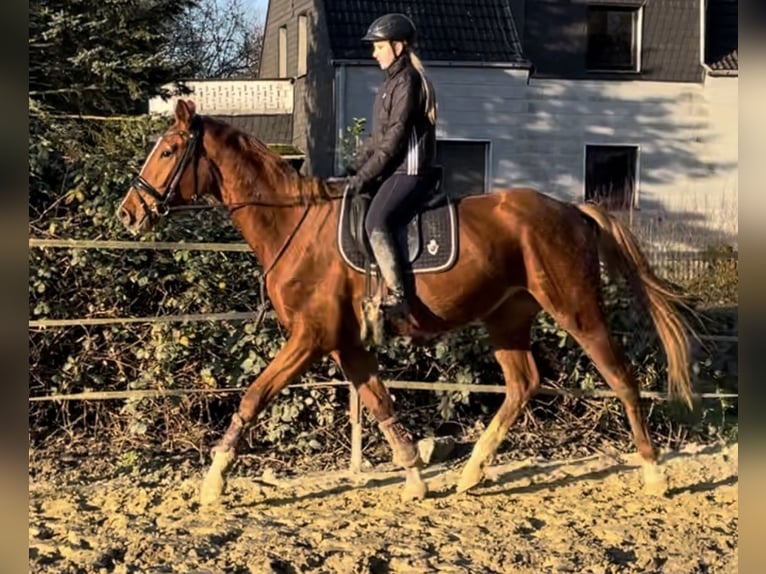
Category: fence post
[355,414]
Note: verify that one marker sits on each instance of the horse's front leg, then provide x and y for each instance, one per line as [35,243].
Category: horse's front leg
[297,355]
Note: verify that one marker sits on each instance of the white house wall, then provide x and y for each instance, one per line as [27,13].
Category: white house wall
[686,133]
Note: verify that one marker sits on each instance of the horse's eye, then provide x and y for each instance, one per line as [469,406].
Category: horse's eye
[166,153]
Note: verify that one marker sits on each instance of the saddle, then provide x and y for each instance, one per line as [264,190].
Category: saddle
[428,242]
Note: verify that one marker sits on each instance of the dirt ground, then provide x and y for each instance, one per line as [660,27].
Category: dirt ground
[584,515]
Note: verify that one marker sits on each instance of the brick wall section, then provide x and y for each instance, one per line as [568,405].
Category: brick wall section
[315,99]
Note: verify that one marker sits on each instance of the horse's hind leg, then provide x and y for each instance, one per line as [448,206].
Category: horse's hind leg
[509,330]
[361,368]
[588,326]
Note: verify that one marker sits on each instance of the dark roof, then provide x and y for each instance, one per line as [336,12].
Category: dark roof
[269,128]
[721,39]
[448,30]
[671,42]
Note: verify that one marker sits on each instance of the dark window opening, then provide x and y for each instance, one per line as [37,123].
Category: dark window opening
[612,38]
[464,165]
[610,176]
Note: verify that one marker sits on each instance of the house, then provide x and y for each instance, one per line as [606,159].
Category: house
[634,102]
[629,102]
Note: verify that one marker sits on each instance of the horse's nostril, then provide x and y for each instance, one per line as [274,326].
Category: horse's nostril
[124,216]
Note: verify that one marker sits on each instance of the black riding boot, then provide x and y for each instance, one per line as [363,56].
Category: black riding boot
[395,304]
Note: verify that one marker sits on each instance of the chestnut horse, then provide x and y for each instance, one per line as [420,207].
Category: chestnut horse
[519,252]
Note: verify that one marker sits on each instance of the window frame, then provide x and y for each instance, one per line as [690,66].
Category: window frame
[303,44]
[634,204]
[638,32]
[282,52]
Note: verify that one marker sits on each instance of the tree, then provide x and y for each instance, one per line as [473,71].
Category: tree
[101,57]
[220,39]
[91,59]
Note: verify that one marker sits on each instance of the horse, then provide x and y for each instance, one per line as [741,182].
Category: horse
[520,252]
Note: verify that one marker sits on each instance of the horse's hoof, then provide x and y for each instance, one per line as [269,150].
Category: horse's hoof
[212,488]
[469,478]
[414,487]
[414,490]
[214,482]
[655,482]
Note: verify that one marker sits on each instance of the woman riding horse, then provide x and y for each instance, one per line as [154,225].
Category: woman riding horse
[399,152]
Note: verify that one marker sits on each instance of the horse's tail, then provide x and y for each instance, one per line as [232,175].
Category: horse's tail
[621,252]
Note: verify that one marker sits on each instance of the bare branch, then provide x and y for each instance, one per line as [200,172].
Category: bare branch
[219,39]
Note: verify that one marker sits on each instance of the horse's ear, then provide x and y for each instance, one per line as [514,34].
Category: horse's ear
[185,111]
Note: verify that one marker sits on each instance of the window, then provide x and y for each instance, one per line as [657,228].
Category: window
[465,166]
[282,52]
[614,39]
[611,175]
[302,44]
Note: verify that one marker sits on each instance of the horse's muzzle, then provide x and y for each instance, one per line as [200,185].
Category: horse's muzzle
[131,223]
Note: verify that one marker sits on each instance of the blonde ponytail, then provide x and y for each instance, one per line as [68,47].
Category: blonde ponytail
[427,86]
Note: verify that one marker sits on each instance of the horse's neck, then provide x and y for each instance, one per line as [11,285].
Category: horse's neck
[267,224]
[281,200]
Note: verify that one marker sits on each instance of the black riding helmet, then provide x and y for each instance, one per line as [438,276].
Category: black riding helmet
[391,28]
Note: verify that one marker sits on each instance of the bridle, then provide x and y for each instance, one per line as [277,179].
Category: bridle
[161,207]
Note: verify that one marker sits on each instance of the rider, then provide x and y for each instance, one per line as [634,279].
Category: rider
[399,151]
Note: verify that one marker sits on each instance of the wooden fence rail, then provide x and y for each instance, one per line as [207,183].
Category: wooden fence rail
[229,316]
[392,384]
[149,245]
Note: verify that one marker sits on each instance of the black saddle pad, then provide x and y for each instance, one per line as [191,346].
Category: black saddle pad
[431,237]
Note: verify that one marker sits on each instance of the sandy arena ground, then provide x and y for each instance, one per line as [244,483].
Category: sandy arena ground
[534,516]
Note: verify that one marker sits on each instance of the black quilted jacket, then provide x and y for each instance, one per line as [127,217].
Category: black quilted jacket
[403,140]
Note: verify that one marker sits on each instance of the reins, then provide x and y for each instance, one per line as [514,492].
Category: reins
[262,278]
[257,202]
[231,207]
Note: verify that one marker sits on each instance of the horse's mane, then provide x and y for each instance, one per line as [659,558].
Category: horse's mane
[261,168]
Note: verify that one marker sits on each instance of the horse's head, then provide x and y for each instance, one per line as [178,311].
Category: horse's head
[169,176]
